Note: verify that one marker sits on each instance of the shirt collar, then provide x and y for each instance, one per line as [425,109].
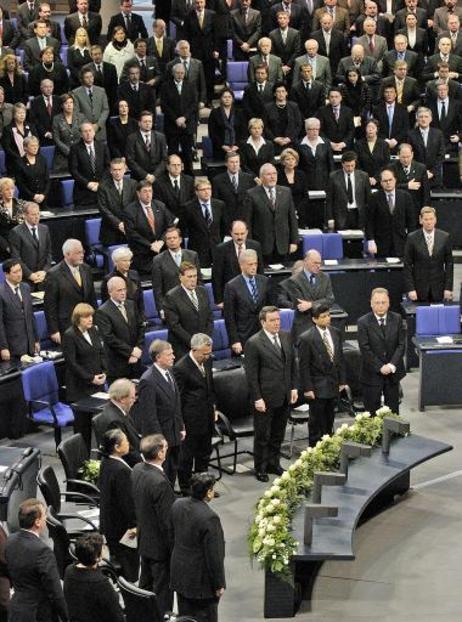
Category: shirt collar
[270,336]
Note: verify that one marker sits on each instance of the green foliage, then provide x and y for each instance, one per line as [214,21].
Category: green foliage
[90,471]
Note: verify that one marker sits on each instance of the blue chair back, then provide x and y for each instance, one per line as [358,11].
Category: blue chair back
[237,77]
[2,274]
[42,330]
[215,310]
[39,383]
[48,152]
[312,241]
[63,53]
[207,147]
[332,246]
[150,309]
[149,337]
[438,320]
[221,349]
[160,121]
[287,318]
[92,231]
[67,192]
[2,163]
[172,30]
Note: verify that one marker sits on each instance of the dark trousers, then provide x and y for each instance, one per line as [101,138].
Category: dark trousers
[321,418]
[196,448]
[201,609]
[373,393]
[155,577]
[128,558]
[170,465]
[353,218]
[182,145]
[269,429]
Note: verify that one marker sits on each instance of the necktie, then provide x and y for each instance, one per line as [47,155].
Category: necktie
[330,351]
[424,138]
[194,299]
[160,46]
[49,106]
[277,343]
[272,198]
[147,139]
[443,111]
[178,259]
[17,293]
[307,86]
[90,95]
[84,21]
[253,289]
[245,17]
[399,91]
[234,182]
[77,277]
[91,155]
[200,19]
[312,280]
[178,86]
[284,36]
[407,171]
[169,380]
[176,187]
[371,44]
[390,120]
[382,326]
[34,234]
[185,63]
[349,189]
[150,217]
[336,113]
[327,41]
[123,311]
[207,214]
[391,204]
[429,240]
[143,71]
[127,21]
[260,88]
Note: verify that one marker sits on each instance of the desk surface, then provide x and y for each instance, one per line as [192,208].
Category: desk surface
[430,342]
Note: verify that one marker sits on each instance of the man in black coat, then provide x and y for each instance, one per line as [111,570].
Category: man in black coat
[204,222]
[43,108]
[244,298]
[271,375]
[18,331]
[257,94]
[381,339]
[154,497]
[447,116]
[166,266]
[122,330]
[332,43]
[32,47]
[428,263]
[132,22]
[30,243]
[160,46]
[286,41]
[146,150]
[105,75]
[412,177]
[226,263]
[173,187]
[308,93]
[444,55]
[32,569]
[401,53]
[146,221]
[429,146]
[322,372]
[193,374]
[389,218]
[187,310]
[246,23]
[337,123]
[231,187]
[82,16]
[115,194]
[393,118]
[88,163]
[137,94]
[67,284]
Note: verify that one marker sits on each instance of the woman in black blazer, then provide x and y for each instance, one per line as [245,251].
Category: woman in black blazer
[13,80]
[295,179]
[32,175]
[122,258]
[78,55]
[51,68]
[11,214]
[119,128]
[255,151]
[373,152]
[117,508]
[13,138]
[357,96]
[84,356]
[226,126]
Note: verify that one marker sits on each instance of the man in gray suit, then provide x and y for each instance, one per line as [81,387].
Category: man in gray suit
[441,15]
[194,69]
[375,45]
[33,47]
[319,64]
[264,57]
[92,102]
[26,13]
[246,29]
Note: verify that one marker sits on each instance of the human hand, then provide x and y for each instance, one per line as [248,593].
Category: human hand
[412,295]
[56,337]
[260,406]
[237,347]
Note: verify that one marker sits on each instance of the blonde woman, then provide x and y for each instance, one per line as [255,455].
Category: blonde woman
[11,213]
[14,135]
[78,56]
[13,80]
[255,151]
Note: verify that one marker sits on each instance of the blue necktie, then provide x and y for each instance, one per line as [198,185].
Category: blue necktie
[253,289]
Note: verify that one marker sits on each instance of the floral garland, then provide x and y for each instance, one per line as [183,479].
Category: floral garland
[270,539]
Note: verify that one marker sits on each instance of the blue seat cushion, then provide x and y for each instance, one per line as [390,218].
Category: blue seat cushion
[64,415]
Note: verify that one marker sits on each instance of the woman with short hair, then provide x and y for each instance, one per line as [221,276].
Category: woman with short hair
[32,175]
[255,151]
[66,132]
[122,258]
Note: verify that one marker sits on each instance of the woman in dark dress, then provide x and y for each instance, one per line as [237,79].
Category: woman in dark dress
[357,96]
[122,259]
[51,68]
[117,509]
[255,151]
[32,175]
[295,179]
[13,80]
[89,594]
[66,132]
[119,128]
[13,138]
[226,126]
[78,55]
[11,214]
[373,152]
[83,352]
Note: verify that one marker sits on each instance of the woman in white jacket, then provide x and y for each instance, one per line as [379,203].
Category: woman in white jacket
[119,50]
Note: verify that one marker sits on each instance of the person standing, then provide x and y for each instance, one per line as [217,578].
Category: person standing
[381,339]
[271,375]
[322,371]
[197,564]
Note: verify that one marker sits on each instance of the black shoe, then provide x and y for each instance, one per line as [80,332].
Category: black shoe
[277,470]
[216,494]
[262,477]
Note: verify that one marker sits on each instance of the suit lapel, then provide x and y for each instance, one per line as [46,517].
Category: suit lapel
[162,383]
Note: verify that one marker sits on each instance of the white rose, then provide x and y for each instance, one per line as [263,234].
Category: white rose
[269,542]
[270,528]
[258,518]
[325,437]
[277,520]
[292,468]
[276,502]
[261,533]
[275,489]
[285,476]
[268,494]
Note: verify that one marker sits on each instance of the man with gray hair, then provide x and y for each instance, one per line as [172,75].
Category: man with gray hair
[429,146]
[67,284]
[244,297]
[193,374]
[114,194]
[43,110]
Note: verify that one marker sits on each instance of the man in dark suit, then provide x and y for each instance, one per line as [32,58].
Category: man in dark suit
[203,219]
[160,46]
[43,109]
[18,331]
[146,150]
[400,52]
[166,266]
[443,76]
[285,42]
[154,497]
[244,297]
[187,310]
[298,15]
[393,118]
[173,187]
[179,103]
[88,162]
[332,43]
[347,195]
[264,57]
[105,75]
[453,32]
[132,22]
[122,329]
[89,20]
[10,36]
[320,66]
[308,93]
[137,94]
[322,372]
[270,213]
[367,66]
[122,394]
[146,221]
[407,88]
[180,9]
[371,9]
[389,218]
[67,284]
[271,375]
[44,14]
[148,65]
[26,13]
[257,94]
[32,569]
[381,339]
[444,55]
[411,7]
[33,47]
[412,177]
[93,5]
[231,187]
[30,243]
[447,116]
[429,146]
[194,69]
[428,264]
[115,194]
[246,30]
[337,123]
[193,374]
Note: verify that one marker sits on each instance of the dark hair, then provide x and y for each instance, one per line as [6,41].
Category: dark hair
[137,42]
[47,49]
[353,70]
[145,113]
[111,438]
[319,308]
[187,265]
[372,120]
[265,310]
[88,548]
[170,229]
[151,445]
[200,484]
[278,85]
[8,264]
[29,511]
[389,170]
[86,69]
[230,91]
[349,156]
[334,89]
[64,97]
[144,183]
[232,154]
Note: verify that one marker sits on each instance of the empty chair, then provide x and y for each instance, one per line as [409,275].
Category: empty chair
[92,231]
[2,163]
[67,190]
[42,329]
[312,241]
[140,605]
[215,310]
[2,274]
[438,320]
[48,152]
[150,309]
[73,453]
[237,77]
[221,349]
[287,318]
[332,246]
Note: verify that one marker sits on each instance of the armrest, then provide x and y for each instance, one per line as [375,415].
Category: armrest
[77,517]
[80,482]
[81,495]
[223,419]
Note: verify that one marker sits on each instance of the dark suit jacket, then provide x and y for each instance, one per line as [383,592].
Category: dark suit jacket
[372,163]
[112,205]
[76,60]
[154,497]
[455,64]
[428,275]
[112,417]
[164,191]
[337,50]
[418,172]
[223,190]
[117,507]
[11,36]
[274,230]
[183,320]
[119,336]
[389,231]
[203,41]
[245,32]
[139,234]
[411,58]
[72,23]
[134,289]
[368,69]
[318,167]
[141,99]
[83,361]
[217,129]
[240,311]
[421,42]
[226,267]
[136,28]
[411,90]
[81,170]
[308,100]
[33,571]
[400,18]
[317,372]
[168,52]
[204,239]
[337,131]
[33,256]
[62,293]
[33,179]
[142,163]
[117,135]
[294,122]
[197,564]
[32,51]
[165,273]
[271,375]
[400,125]
[42,119]
[381,347]
[195,75]
[337,198]
[197,395]
[18,331]
[175,105]
[288,52]
[107,79]
[451,124]
[253,102]
[432,155]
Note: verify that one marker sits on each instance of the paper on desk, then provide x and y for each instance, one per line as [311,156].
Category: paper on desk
[393,259]
[351,233]
[309,232]
[126,540]
[446,340]
[331,262]
[276,266]
[101,395]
